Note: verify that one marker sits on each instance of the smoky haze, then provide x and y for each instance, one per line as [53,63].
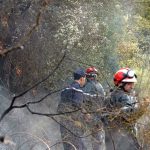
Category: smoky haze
[25,131]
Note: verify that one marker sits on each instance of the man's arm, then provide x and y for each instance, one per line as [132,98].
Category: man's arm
[129,103]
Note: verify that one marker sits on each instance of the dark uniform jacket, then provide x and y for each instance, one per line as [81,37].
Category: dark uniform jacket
[121,128]
[74,95]
[73,98]
[123,100]
[72,124]
[93,87]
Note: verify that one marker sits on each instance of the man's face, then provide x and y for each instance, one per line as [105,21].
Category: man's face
[129,86]
[82,81]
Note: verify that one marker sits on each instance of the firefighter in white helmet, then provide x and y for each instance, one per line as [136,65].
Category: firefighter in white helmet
[122,105]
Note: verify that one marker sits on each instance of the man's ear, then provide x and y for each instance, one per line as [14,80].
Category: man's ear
[81,78]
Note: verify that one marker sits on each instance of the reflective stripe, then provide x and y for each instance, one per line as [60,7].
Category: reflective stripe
[81,91]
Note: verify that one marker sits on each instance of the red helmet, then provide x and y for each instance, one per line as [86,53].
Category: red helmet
[91,70]
[124,75]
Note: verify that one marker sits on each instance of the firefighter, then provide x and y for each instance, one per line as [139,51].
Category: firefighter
[73,97]
[123,104]
[92,86]
[121,96]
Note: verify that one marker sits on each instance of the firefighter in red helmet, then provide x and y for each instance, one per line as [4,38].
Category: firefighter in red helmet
[92,86]
[123,101]
[124,80]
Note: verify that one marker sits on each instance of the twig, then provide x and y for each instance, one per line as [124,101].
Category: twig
[64,142]
[71,131]
[35,137]
[112,140]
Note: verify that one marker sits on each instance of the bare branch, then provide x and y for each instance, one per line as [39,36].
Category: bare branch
[49,115]
[36,84]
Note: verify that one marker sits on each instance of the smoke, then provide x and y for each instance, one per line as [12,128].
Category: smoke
[22,130]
